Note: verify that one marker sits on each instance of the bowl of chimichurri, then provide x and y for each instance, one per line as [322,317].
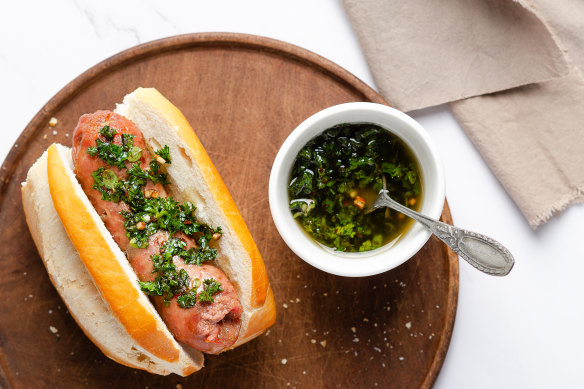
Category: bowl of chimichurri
[329,171]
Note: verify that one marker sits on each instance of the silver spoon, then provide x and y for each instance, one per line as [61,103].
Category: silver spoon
[484,253]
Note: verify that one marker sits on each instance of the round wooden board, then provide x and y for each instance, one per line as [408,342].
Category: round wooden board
[243,95]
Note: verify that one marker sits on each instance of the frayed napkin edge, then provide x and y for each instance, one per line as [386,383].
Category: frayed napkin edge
[573,197]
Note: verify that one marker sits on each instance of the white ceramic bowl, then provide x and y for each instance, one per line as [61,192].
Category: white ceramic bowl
[369,262]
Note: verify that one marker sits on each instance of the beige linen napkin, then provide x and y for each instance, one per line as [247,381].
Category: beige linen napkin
[423,53]
[533,140]
[428,52]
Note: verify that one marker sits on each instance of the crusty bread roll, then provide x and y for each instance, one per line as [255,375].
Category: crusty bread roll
[91,306]
[92,274]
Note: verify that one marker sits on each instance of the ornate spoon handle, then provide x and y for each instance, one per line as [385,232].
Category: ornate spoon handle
[482,252]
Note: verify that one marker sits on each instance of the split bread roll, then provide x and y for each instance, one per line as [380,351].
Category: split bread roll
[94,277]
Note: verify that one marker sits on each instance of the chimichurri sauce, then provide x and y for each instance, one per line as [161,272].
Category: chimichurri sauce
[338,174]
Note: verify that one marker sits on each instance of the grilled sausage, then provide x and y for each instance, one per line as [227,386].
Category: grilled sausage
[210,327]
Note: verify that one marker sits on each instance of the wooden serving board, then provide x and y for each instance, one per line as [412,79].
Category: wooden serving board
[243,95]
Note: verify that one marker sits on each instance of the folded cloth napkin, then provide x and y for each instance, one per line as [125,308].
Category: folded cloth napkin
[423,53]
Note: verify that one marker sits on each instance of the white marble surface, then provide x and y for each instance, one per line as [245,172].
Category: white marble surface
[522,331]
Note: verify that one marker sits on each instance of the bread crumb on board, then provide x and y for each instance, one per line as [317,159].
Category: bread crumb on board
[53,122]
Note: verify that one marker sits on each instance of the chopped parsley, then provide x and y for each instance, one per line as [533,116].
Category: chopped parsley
[165,213]
[189,298]
[164,153]
[148,213]
[131,190]
[112,153]
[170,282]
[203,253]
[104,182]
[339,173]
[107,132]
[210,288]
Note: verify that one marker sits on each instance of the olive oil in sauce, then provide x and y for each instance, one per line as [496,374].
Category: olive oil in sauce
[338,174]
